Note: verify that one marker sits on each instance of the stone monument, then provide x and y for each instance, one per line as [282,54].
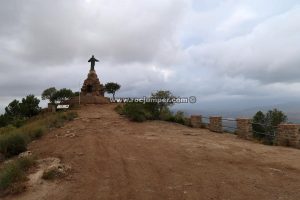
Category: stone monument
[92,85]
[92,91]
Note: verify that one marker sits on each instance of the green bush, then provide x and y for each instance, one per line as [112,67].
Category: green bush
[177,118]
[12,144]
[37,133]
[7,129]
[140,112]
[135,111]
[119,109]
[49,175]
[9,174]
[52,174]
[71,116]
[14,171]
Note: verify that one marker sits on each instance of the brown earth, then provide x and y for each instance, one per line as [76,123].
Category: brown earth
[113,158]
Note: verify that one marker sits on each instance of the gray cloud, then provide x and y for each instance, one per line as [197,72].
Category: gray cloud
[216,50]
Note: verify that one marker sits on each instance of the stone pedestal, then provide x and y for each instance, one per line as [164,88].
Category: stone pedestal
[244,128]
[92,86]
[215,124]
[288,135]
[196,121]
[92,92]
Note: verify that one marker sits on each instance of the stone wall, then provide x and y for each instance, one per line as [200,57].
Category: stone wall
[215,124]
[244,128]
[288,135]
[196,121]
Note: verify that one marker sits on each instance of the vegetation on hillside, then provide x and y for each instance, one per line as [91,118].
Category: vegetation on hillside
[17,112]
[14,172]
[14,140]
[141,111]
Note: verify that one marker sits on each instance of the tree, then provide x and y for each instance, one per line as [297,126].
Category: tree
[13,109]
[163,99]
[63,95]
[49,94]
[30,106]
[111,88]
[275,117]
[265,125]
[4,120]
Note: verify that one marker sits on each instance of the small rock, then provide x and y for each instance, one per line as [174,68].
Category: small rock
[25,154]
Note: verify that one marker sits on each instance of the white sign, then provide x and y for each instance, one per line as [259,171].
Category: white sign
[63,106]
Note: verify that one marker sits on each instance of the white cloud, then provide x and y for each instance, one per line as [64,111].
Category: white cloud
[240,16]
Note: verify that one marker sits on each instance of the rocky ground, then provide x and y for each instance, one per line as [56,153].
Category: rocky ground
[113,158]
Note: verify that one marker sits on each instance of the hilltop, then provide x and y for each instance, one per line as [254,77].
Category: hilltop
[114,158]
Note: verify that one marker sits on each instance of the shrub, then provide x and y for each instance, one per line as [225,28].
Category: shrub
[265,125]
[71,116]
[7,129]
[135,111]
[52,174]
[119,109]
[12,144]
[9,174]
[179,117]
[140,112]
[37,133]
[49,175]
[187,122]
[14,171]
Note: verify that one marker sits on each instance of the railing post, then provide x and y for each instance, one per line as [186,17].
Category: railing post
[215,124]
[288,135]
[244,128]
[196,121]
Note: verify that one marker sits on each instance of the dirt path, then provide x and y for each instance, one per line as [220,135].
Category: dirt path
[113,158]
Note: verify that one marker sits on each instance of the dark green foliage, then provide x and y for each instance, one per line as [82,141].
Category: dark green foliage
[17,112]
[57,96]
[49,94]
[265,125]
[63,95]
[37,133]
[164,98]
[12,144]
[13,109]
[111,88]
[135,111]
[30,106]
[177,118]
[76,94]
[49,175]
[4,120]
[155,110]
[52,174]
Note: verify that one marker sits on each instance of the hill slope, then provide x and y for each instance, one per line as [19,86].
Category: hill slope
[113,158]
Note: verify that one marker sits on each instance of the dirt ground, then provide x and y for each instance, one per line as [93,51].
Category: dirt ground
[113,158]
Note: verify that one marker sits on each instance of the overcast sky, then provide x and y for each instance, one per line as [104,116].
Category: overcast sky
[226,52]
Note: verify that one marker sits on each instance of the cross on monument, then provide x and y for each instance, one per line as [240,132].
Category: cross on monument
[92,60]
